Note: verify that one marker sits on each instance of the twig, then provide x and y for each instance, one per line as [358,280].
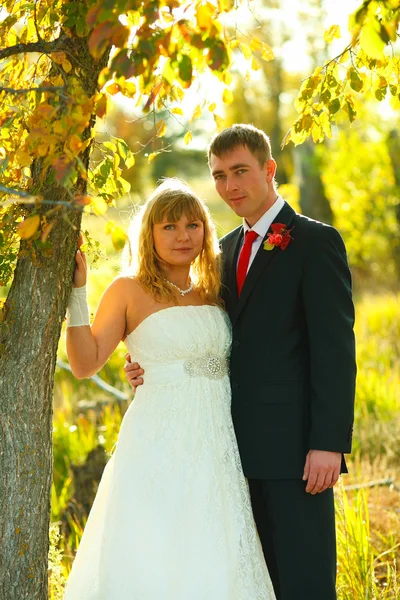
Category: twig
[99,382]
[35,21]
[370,484]
[26,198]
[51,88]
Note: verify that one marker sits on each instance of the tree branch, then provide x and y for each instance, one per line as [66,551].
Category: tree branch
[40,46]
[50,88]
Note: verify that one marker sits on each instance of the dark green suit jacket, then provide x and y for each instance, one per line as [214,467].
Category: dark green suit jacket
[293,363]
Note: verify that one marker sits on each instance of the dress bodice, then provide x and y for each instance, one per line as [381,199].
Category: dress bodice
[182,341]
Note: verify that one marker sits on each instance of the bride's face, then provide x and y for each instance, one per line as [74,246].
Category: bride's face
[178,243]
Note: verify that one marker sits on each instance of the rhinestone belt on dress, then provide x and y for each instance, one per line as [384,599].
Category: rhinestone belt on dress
[209,365]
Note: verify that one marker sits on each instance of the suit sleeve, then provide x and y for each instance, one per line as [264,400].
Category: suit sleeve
[329,313]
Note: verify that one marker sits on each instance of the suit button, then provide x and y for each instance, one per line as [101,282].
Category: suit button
[236,344]
[235,385]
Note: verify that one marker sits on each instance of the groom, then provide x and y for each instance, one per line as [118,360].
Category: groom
[287,290]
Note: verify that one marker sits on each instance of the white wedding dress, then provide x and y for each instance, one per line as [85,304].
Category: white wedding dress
[172,517]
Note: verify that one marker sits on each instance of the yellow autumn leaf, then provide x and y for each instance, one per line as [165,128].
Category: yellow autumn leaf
[66,65]
[227,78]
[113,88]
[28,227]
[234,44]
[178,93]
[161,128]
[212,107]
[219,121]
[42,149]
[58,127]
[118,238]
[255,44]
[58,57]
[370,40]
[196,113]
[316,133]
[75,143]
[226,5]
[22,158]
[247,53]
[204,15]
[331,33]
[99,205]
[227,96]
[177,111]
[166,17]
[188,137]
[152,156]
[129,89]
[266,52]
[255,65]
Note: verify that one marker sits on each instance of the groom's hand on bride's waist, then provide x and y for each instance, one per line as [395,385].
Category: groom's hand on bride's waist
[133,372]
[322,470]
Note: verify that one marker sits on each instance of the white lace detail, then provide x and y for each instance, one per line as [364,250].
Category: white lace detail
[172,518]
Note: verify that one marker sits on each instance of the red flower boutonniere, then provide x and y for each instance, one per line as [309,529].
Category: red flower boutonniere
[279,237]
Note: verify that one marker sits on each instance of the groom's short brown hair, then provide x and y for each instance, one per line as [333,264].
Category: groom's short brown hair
[241,134]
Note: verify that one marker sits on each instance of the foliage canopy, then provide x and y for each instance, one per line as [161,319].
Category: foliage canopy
[369,64]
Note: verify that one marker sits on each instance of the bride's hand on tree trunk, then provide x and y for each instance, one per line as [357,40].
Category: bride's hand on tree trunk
[80,273]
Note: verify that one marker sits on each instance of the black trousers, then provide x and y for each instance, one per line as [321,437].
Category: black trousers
[297,533]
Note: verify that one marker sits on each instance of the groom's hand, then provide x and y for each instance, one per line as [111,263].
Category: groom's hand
[133,372]
[322,470]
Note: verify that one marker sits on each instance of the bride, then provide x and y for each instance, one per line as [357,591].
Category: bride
[172,516]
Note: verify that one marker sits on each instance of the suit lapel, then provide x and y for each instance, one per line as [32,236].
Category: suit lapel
[261,261]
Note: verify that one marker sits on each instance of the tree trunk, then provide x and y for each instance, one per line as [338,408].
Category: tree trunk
[313,201]
[393,142]
[29,334]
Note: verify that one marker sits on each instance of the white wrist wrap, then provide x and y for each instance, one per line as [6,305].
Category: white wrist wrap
[78,308]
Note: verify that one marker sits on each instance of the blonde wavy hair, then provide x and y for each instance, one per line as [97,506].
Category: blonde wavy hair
[169,201]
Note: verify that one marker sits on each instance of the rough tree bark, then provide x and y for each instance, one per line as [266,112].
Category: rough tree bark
[33,315]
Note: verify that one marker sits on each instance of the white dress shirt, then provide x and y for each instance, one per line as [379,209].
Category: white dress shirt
[262,226]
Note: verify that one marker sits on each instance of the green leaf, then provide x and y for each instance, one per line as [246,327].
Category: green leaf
[326,96]
[380,93]
[185,68]
[349,109]
[332,82]
[334,106]
[110,145]
[123,148]
[123,185]
[356,83]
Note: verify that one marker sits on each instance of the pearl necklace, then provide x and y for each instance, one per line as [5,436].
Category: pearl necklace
[182,292]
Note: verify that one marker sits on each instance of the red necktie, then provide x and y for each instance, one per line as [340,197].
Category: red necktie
[244,258]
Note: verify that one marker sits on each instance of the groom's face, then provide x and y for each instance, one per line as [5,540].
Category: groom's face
[243,183]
